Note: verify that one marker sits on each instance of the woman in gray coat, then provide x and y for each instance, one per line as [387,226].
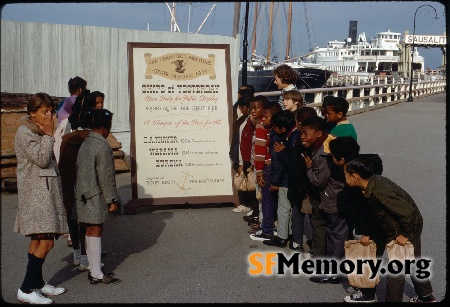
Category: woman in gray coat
[96,197]
[41,214]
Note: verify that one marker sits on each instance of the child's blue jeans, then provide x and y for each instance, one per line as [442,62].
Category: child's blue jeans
[267,204]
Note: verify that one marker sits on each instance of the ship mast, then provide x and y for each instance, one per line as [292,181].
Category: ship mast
[288,43]
[173,22]
[255,19]
[237,14]
[269,43]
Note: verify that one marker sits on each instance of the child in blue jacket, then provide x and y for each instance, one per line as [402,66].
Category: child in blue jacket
[284,131]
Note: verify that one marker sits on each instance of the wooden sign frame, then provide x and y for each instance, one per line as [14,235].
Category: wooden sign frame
[180,120]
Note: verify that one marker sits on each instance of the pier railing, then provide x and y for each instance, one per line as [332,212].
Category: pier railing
[365,97]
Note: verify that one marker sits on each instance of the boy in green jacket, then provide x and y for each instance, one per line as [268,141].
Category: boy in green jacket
[336,113]
[398,217]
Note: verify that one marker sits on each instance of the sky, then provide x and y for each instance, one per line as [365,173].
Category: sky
[326,20]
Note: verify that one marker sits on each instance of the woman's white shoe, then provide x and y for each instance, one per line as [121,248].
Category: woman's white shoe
[34,297]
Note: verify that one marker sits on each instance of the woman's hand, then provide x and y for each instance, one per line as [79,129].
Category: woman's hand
[48,125]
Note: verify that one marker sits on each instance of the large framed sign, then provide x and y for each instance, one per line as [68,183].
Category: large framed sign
[180,117]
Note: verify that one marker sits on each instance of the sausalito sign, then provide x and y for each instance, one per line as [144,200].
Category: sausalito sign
[435,40]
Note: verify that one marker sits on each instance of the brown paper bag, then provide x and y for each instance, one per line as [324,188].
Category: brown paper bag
[399,252]
[251,180]
[306,205]
[354,251]
[240,182]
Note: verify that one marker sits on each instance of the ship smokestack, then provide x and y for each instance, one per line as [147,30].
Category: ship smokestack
[353,31]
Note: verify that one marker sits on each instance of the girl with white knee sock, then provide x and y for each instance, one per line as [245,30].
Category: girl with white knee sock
[96,197]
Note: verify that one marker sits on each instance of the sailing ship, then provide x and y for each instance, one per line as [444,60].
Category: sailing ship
[259,68]
[357,56]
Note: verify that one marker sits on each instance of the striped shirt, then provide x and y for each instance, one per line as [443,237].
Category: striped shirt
[261,155]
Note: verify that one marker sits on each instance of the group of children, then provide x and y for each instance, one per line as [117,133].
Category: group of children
[296,156]
[66,183]
[299,157]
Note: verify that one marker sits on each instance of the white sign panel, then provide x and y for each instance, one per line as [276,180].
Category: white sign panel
[181,114]
[426,40]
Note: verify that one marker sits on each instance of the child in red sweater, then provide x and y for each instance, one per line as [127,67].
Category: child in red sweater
[262,160]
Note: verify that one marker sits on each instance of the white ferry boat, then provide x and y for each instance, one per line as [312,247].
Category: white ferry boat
[259,68]
[358,56]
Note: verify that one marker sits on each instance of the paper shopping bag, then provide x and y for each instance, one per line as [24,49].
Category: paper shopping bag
[356,251]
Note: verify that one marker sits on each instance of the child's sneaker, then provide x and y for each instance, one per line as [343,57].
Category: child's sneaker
[107,279]
[296,247]
[241,208]
[245,209]
[34,297]
[260,236]
[351,289]
[423,299]
[254,229]
[358,297]
[51,290]
[237,209]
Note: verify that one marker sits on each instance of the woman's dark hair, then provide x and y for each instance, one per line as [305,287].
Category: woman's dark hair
[38,100]
[361,166]
[101,118]
[76,83]
[83,104]
[286,74]
[344,147]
